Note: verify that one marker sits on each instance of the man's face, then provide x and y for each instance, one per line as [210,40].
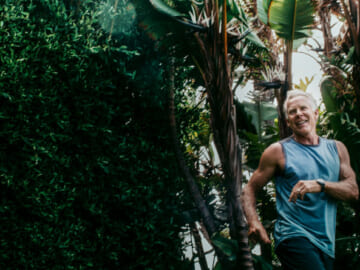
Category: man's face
[301,117]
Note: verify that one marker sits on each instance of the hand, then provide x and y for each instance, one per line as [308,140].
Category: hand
[257,233]
[302,187]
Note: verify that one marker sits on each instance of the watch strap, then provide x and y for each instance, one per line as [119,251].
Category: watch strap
[321,183]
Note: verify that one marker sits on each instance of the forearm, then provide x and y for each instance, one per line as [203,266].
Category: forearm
[257,231]
[248,200]
[346,190]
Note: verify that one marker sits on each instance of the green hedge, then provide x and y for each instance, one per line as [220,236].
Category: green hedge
[87,178]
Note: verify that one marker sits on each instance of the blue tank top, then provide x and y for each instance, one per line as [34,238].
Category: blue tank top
[315,216]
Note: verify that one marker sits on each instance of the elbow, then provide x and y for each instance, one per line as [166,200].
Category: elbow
[353,191]
[356,194]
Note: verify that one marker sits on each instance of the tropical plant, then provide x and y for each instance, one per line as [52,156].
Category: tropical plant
[208,31]
[340,125]
[339,91]
[351,14]
[291,20]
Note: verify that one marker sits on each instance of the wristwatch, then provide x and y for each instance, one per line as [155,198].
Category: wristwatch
[321,183]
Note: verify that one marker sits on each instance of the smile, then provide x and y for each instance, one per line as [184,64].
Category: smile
[301,123]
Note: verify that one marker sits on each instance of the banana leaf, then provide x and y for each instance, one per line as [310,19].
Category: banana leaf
[260,113]
[291,19]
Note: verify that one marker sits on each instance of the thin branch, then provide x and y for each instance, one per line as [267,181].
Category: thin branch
[199,247]
[224,24]
[352,28]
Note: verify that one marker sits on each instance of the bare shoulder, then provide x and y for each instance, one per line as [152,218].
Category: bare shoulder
[274,150]
[342,150]
[339,144]
[273,155]
[269,163]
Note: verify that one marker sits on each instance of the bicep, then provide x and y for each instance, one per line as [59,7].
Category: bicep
[267,166]
[346,172]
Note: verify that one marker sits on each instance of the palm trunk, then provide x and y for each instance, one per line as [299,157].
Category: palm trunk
[193,188]
[205,214]
[283,127]
[353,20]
[229,149]
[213,66]
[214,69]
[324,15]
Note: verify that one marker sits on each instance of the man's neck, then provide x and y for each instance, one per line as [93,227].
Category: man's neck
[312,139]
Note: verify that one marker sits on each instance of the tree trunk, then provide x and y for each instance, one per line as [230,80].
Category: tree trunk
[199,247]
[281,96]
[227,143]
[223,123]
[193,188]
[353,20]
[213,66]
[204,211]
[324,14]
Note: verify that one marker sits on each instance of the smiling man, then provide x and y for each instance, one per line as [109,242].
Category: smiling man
[311,174]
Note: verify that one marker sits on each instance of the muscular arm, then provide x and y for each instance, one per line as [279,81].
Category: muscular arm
[269,162]
[346,189]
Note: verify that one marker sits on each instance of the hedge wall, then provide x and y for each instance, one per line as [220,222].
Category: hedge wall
[87,178]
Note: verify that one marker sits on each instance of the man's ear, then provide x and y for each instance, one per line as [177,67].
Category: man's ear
[317,114]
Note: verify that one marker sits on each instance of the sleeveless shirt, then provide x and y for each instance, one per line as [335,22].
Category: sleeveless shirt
[315,216]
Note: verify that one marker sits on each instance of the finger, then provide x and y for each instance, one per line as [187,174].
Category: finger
[267,241]
[265,238]
[295,194]
[293,197]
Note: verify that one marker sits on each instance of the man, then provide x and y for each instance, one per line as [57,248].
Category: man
[311,173]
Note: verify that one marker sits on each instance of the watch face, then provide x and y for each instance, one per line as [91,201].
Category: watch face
[321,183]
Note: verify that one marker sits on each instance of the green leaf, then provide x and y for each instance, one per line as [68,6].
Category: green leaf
[236,11]
[261,263]
[165,9]
[298,42]
[260,112]
[350,56]
[228,246]
[263,8]
[328,89]
[253,38]
[291,19]
[156,18]
[218,266]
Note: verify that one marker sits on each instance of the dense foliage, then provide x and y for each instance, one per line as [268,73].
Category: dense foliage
[87,174]
[88,178]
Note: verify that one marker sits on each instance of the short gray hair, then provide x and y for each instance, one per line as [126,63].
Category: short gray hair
[296,93]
